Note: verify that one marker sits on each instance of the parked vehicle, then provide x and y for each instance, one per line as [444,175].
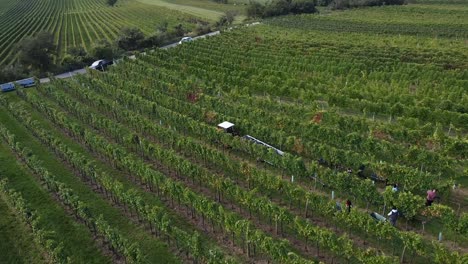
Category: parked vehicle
[185,39]
[29,82]
[6,87]
[101,65]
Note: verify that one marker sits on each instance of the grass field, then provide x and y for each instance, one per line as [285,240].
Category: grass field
[16,246]
[206,9]
[76,240]
[197,9]
[351,97]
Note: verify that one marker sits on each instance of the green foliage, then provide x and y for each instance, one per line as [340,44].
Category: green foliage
[315,93]
[442,256]
[343,4]
[43,237]
[324,2]
[12,72]
[277,8]
[178,30]
[130,38]
[162,27]
[409,205]
[111,2]
[462,227]
[226,19]
[77,23]
[280,7]
[302,7]
[76,58]
[67,197]
[37,52]
[230,16]
[255,9]
[103,49]
[203,29]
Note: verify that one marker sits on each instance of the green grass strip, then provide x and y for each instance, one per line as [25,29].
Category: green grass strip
[17,244]
[155,250]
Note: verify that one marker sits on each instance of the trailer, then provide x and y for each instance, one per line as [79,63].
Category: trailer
[257,141]
[377,217]
[228,127]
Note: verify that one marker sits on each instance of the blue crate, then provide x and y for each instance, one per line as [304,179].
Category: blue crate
[6,87]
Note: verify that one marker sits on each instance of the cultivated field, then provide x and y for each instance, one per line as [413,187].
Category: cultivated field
[128,165]
[80,23]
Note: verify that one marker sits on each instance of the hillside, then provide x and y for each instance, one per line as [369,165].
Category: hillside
[128,165]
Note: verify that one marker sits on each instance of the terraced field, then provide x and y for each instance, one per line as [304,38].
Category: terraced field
[78,23]
[132,159]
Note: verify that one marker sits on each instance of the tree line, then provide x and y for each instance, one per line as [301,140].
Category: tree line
[285,7]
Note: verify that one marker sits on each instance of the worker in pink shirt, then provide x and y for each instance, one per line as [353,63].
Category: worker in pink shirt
[431,195]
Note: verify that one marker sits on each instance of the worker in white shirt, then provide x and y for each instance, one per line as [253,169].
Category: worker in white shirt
[393,216]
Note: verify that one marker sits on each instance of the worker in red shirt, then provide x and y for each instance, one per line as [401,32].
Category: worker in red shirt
[431,195]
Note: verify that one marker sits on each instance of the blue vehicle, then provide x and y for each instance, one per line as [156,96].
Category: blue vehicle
[29,82]
[6,87]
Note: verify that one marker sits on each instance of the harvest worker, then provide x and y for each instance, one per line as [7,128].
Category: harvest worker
[431,195]
[348,205]
[395,187]
[393,216]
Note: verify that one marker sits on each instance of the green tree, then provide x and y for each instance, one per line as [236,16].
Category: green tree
[75,58]
[303,7]
[255,9]
[130,38]
[12,72]
[226,19]
[37,52]
[230,16]
[179,30]
[222,21]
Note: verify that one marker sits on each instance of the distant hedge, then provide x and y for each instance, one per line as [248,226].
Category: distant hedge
[343,4]
[280,7]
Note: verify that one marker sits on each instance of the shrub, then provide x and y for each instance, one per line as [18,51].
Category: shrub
[255,9]
[226,19]
[37,52]
[12,72]
[280,7]
[153,40]
[343,4]
[70,63]
[202,29]
[277,8]
[102,50]
[324,2]
[130,38]
[302,7]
